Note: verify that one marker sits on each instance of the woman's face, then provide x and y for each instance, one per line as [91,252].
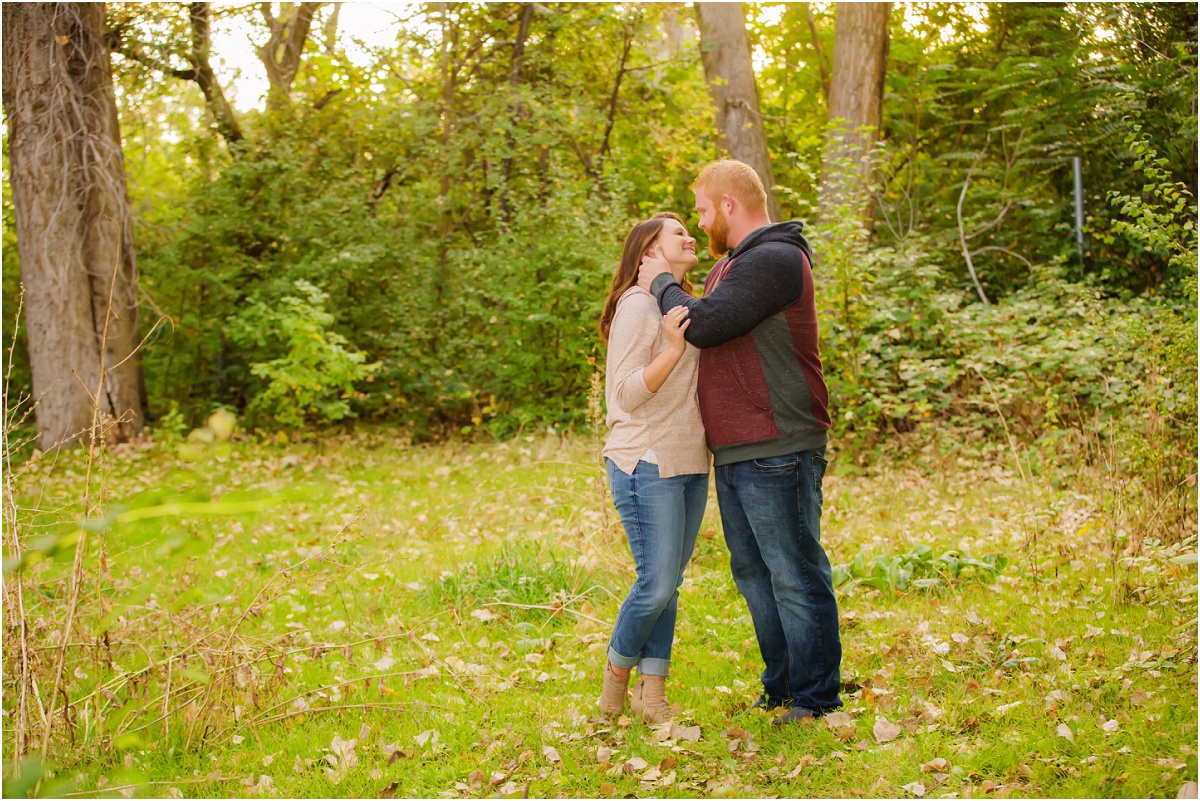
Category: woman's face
[676,246]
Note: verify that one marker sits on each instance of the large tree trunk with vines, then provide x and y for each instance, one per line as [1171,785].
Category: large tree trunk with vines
[281,54]
[74,228]
[729,72]
[860,53]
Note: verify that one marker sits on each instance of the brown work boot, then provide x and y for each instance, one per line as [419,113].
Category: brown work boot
[612,694]
[649,701]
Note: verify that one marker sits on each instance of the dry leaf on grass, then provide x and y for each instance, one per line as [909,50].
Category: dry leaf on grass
[550,753]
[1188,790]
[885,731]
[916,788]
[938,765]
[836,720]
[804,760]
[1065,732]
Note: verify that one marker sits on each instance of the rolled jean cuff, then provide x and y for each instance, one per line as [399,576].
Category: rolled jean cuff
[616,660]
[654,667]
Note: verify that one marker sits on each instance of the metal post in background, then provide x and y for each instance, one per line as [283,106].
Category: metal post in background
[1077,163]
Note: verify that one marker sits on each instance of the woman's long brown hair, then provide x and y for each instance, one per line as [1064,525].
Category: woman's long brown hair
[639,241]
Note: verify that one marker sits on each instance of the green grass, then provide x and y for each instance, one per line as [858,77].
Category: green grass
[447,609]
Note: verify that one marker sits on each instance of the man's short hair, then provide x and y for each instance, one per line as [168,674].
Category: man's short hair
[733,178]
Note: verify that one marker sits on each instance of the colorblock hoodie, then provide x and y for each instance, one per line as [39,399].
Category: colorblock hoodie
[761,387]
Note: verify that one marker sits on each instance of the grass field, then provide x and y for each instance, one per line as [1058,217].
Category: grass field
[360,617]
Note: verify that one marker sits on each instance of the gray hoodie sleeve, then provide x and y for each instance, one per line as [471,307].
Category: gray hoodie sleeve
[760,283]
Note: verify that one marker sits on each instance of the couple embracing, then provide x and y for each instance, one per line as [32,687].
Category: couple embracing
[736,372]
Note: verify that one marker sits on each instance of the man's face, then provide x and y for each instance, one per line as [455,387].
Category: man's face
[713,222]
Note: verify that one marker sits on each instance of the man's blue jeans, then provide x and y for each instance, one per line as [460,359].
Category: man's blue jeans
[771,513]
[661,517]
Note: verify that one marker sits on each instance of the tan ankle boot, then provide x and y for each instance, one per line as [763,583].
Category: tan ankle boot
[649,701]
[613,692]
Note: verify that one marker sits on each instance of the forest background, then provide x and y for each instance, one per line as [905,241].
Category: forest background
[426,241]
[415,251]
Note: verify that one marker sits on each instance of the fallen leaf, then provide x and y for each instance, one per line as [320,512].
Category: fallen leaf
[607,788]
[603,752]
[401,753]
[475,779]
[667,780]
[938,765]
[734,734]
[667,763]
[390,790]
[1138,697]
[1188,790]
[1065,732]
[689,733]
[550,753]
[804,760]
[884,731]
[1025,771]
[1110,726]
[916,788]
[637,763]
[652,775]
[836,720]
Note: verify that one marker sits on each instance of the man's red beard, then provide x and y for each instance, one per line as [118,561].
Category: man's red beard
[718,234]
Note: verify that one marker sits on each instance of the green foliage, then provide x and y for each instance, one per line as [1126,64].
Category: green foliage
[316,376]
[918,569]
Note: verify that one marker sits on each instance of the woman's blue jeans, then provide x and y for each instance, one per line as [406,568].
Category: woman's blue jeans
[661,517]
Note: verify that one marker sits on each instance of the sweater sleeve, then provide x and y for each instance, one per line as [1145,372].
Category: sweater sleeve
[630,348]
[763,282]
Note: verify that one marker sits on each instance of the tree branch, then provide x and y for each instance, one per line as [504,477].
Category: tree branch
[612,103]
[816,41]
[1006,251]
[214,97]
[962,234]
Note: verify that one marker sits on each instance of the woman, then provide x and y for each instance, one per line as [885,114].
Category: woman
[657,462]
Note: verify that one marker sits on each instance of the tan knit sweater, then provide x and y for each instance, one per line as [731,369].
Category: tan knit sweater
[666,422]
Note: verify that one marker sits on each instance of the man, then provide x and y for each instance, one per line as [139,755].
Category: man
[765,410]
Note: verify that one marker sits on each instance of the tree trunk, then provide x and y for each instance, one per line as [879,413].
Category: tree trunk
[74,228]
[729,73]
[860,53]
[281,54]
